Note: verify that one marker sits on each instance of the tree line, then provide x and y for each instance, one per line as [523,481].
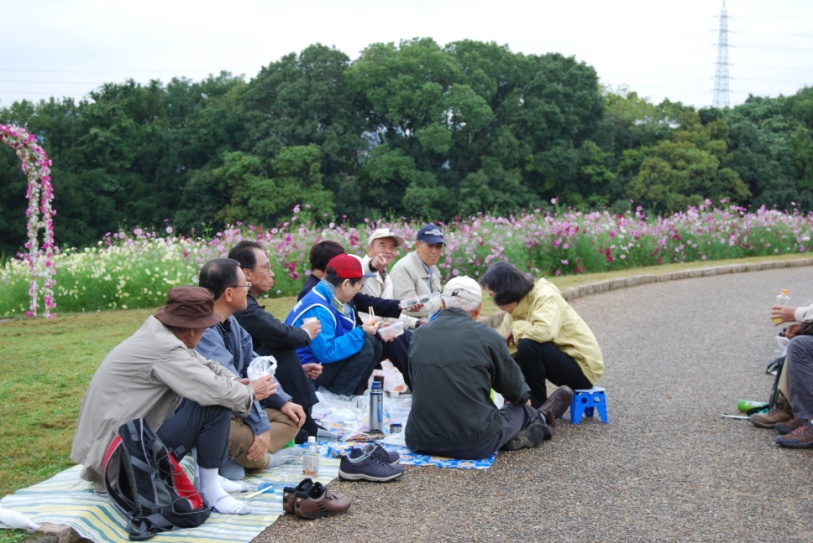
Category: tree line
[409,130]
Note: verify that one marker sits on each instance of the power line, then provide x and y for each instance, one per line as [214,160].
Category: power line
[51,82]
[100,71]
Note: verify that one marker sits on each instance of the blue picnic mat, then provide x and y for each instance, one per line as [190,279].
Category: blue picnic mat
[410,458]
[67,499]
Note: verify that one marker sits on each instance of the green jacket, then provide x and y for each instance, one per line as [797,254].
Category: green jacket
[454,362]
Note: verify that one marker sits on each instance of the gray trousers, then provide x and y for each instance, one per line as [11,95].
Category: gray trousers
[799,370]
[513,419]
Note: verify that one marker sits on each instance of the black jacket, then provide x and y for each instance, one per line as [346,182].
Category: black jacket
[267,332]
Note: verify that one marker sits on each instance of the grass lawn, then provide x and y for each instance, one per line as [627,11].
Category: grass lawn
[46,365]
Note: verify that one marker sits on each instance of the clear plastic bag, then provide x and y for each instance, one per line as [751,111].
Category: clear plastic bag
[260,366]
[782,341]
[339,415]
[393,379]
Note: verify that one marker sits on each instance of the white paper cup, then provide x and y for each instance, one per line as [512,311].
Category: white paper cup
[309,319]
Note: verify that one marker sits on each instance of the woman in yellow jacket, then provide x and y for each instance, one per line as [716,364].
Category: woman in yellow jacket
[547,337]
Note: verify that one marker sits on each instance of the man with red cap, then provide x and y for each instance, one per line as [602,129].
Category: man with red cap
[347,352]
[187,400]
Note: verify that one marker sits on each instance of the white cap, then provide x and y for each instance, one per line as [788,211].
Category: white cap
[464,287]
[385,233]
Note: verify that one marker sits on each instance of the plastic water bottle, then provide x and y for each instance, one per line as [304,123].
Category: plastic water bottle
[421,299]
[310,460]
[782,299]
[377,406]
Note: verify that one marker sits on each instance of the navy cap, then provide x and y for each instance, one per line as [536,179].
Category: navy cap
[431,234]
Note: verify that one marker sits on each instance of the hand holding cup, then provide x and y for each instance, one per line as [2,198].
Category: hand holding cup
[312,325]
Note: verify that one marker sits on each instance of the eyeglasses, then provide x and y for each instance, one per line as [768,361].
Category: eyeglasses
[266,267]
[247,285]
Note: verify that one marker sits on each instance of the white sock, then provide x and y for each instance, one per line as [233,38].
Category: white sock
[216,496]
[233,486]
[283,456]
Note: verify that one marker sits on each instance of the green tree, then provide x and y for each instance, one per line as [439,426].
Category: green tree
[304,100]
[408,96]
[687,169]
[263,199]
[762,153]
[207,117]
[800,108]
[560,108]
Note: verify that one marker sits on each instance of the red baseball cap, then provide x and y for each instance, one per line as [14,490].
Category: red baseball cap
[348,267]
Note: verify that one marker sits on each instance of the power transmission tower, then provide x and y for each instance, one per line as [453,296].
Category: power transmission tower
[721,73]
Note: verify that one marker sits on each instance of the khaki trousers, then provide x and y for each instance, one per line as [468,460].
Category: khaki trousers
[241,437]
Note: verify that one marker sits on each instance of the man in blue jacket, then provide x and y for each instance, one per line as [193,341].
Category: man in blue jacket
[348,353]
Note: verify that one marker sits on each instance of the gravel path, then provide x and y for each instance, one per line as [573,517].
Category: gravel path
[667,467]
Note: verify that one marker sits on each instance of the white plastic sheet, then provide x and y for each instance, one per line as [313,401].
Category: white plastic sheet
[16,521]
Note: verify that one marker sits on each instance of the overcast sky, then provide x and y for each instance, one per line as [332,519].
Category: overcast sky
[659,49]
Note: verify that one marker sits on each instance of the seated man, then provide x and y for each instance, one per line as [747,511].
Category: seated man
[381,247]
[323,252]
[347,352]
[188,400]
[550,339]
[417,273]
[275,421]
[796,382]
[455,362]
[272,337]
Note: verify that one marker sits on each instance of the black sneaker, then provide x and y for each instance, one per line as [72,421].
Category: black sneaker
[379,451]
[368,466]
[530,437]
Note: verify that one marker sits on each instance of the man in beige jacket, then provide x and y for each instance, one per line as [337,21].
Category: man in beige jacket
[187,400]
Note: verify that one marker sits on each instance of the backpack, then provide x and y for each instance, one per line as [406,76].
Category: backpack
[147,484]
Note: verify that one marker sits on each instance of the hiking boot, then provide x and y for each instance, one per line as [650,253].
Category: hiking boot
[556,404]
[379,451]
[800,438]
[780,412]
[789,426]
[289,494]
[530,437]
[368,466]
[319,501]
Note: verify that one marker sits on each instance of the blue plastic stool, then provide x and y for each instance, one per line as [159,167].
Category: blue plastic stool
[586,401]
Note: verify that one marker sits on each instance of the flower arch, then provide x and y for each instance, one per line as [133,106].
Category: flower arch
[40,214]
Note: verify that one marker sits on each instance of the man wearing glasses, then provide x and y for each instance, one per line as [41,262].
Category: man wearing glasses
[256,441]
[348,353]
[272,337]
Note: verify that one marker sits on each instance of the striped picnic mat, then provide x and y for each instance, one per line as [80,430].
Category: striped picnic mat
[67,499]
